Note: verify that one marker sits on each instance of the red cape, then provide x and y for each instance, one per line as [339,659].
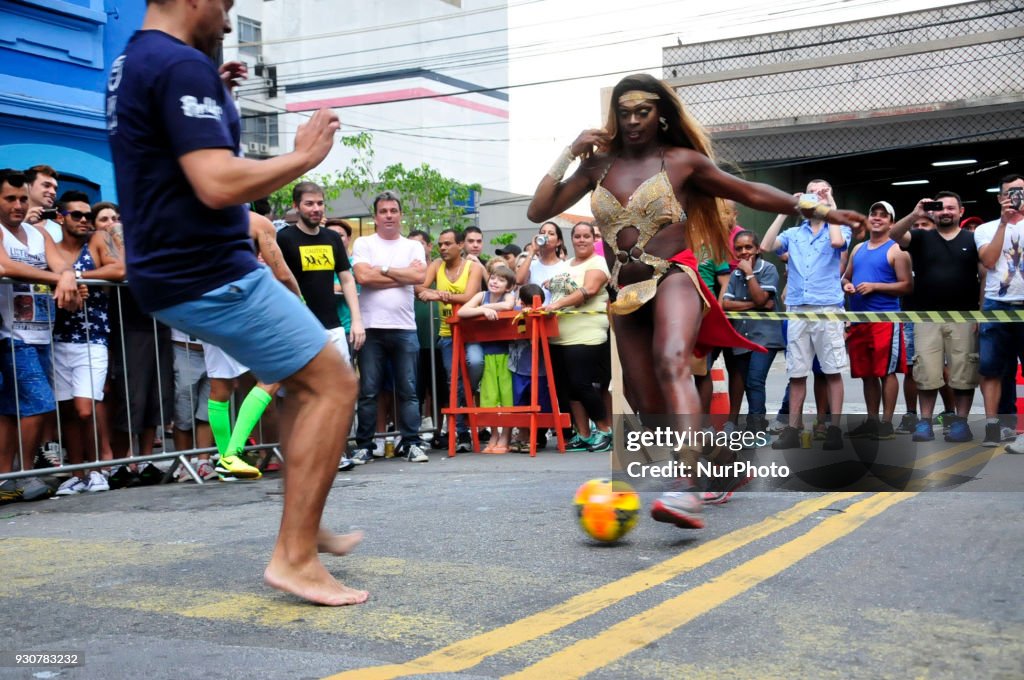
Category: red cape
[715,329]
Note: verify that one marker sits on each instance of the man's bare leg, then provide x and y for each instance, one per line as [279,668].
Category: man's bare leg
[318,412]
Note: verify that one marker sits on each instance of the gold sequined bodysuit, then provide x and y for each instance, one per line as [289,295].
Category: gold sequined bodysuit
[651,206]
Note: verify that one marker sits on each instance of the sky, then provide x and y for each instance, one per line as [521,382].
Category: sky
[583,46]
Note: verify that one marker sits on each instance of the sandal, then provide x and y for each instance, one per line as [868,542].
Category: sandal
[519,447]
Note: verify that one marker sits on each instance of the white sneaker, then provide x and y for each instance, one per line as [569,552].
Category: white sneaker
[97,482]
[1007,434]
[777,426]
[71,486]
[426,424]
[205,470]
[415,454]
[1017,446]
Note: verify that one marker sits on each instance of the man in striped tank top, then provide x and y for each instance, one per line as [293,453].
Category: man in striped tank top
[877,275]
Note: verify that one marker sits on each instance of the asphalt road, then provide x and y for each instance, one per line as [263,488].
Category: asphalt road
[477,569]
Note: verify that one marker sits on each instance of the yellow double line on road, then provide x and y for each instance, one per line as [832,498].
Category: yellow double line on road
[608,646]
[651,625]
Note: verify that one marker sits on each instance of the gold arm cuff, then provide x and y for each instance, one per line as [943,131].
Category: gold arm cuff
[561,164]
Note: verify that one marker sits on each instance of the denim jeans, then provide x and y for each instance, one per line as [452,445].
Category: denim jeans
[475,365]
[402,348]
[757,374]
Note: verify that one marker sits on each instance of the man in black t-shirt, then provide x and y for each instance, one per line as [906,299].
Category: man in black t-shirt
[314,255]
[945,261]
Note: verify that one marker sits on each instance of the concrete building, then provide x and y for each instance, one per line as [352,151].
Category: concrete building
[52,86]
[420,75]
[868,105]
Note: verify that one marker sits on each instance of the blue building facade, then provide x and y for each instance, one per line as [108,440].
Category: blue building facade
[54,56]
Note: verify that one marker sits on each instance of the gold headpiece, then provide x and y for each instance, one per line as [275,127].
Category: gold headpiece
[637,97]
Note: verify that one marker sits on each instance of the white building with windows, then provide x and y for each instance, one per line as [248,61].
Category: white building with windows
[423,76]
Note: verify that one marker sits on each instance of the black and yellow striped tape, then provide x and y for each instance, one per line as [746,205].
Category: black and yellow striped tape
[1015,316]
[915,317]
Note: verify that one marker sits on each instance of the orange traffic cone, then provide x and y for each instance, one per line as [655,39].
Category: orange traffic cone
[719,397]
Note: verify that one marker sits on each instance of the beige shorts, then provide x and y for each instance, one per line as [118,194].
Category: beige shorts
[806,339]
[935,344]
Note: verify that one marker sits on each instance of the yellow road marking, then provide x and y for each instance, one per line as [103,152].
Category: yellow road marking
[649,626]
[944,474]
[468,653]
[943,455]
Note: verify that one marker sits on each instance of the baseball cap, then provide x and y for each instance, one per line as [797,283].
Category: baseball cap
[510,249]
[885,205]
[971,223]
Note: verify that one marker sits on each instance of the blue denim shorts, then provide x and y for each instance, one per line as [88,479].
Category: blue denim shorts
[999,342]
[257,321]
[30,367]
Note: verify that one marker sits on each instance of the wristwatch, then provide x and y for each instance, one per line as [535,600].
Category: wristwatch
[384,270]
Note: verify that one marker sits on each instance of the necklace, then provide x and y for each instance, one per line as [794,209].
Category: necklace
[452,279]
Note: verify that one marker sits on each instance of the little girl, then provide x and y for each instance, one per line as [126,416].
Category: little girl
[496,383]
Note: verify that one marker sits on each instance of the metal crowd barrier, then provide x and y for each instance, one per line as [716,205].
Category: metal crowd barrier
[118,345]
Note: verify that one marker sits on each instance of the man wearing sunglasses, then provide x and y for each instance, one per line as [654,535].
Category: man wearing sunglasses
[80,338]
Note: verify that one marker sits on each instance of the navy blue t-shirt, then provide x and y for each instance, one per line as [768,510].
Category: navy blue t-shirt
[164,100]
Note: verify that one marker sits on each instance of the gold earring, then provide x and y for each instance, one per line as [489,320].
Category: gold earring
[664,124]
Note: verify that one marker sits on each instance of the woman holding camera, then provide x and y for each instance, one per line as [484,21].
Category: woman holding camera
[655,198]
[545,258]
[581,354]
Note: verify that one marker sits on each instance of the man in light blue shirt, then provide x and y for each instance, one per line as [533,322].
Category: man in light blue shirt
[815,251]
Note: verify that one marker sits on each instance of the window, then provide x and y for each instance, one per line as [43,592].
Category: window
[250,38]
[259,131]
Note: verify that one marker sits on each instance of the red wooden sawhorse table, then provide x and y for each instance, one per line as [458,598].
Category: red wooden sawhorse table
[535,326]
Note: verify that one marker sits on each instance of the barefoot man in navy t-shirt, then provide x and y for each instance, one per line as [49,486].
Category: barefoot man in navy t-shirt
[174,135]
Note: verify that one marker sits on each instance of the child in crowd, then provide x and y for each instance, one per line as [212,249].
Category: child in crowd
[753,285]
[496,383]
[520,358]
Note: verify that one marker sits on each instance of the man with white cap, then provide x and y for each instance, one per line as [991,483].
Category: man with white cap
[877,275]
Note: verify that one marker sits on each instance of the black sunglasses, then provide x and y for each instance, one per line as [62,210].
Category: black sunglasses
[78,215]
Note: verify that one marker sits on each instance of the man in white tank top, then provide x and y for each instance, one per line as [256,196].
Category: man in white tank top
[30,255]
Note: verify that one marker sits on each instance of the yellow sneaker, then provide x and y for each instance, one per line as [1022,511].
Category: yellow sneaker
[236,467]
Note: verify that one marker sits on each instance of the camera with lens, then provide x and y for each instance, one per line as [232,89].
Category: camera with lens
[541,240]
[48,214]
[1016,196]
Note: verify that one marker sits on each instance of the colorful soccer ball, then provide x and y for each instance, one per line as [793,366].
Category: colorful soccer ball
[607,510]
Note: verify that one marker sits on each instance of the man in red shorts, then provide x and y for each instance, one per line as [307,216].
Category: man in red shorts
[878,274]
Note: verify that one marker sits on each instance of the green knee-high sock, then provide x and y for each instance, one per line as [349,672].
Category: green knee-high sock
[220,423]
[249,414]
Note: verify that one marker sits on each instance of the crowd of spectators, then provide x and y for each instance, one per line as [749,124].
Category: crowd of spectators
[87,376]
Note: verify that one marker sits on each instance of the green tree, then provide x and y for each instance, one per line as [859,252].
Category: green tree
[430,201]
[332,183]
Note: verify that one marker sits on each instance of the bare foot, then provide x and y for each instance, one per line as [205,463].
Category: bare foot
[337,544]
[311,582]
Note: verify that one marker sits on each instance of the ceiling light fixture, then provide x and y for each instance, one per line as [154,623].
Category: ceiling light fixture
[909,182]
[965,161]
